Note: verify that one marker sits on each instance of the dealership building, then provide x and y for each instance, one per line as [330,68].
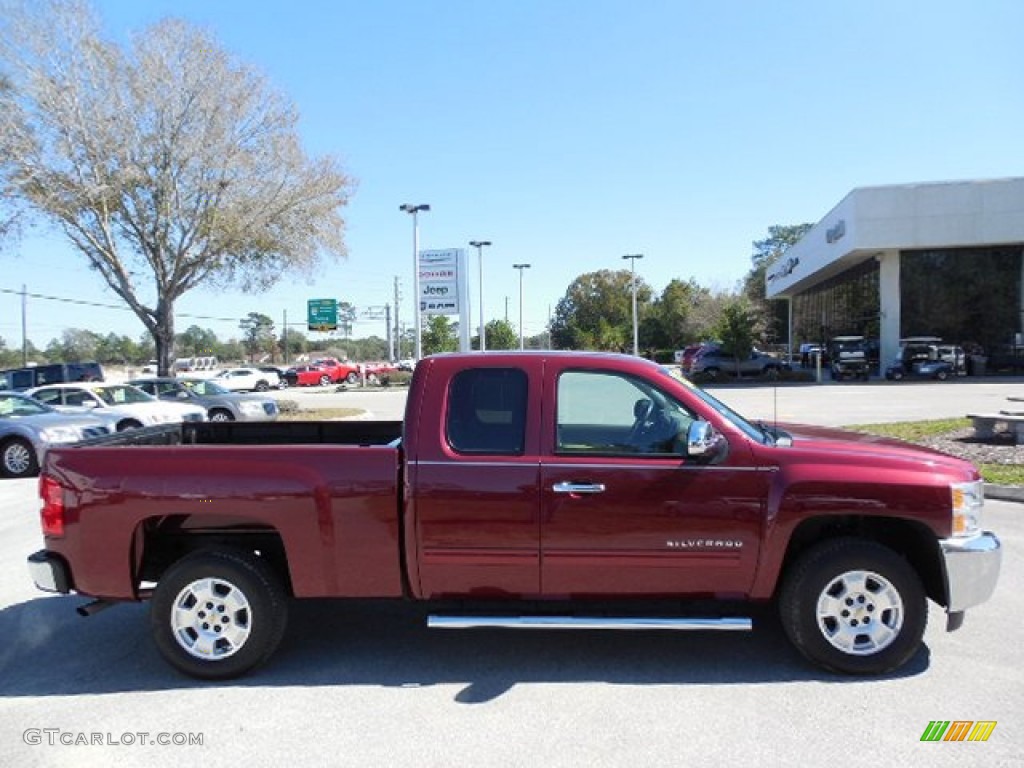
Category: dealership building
[936,259]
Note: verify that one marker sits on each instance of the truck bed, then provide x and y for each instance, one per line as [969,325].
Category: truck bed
[328,493]
[258,433]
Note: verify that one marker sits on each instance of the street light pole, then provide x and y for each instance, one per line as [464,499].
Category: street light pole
[521,267]
[414,211]
[636,329]
[479,245]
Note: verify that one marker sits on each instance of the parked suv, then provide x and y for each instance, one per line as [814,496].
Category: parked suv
[849,357]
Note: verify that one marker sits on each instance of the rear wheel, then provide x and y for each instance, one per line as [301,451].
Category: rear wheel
[942,375]
[262,386]
[219,414]
[352,378]
[216,615]
[128,424]
[19,458]
[854,606]
[325,380]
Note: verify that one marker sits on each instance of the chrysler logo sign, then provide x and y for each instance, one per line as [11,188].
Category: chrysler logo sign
[832,234]
[785,269]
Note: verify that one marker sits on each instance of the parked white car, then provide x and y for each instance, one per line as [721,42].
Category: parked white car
[127,406]
[247,380]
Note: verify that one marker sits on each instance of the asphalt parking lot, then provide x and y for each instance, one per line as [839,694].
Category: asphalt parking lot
[366,684]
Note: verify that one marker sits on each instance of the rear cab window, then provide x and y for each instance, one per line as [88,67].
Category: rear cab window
[487,411]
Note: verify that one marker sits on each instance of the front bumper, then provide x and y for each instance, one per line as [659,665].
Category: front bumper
[972,568]
[49,572]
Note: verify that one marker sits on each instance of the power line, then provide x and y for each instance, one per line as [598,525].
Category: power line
[84,303]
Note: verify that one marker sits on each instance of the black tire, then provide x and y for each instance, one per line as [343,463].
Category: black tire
[19,458]
[241,592]
[371,378]
[219,414]
[711,373]
[897,375]
[771,372]
[884,606]
[325,380]
[128,424]
[941,375]
[352,378]
[262,386]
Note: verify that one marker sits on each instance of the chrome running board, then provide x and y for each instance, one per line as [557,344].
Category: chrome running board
[741,624]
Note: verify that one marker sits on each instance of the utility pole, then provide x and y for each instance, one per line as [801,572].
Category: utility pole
[632,269]
[397,349]
[284,336]
[24,338]
[520,268]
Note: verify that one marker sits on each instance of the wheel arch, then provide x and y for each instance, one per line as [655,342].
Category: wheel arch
[160,542]
[912,540]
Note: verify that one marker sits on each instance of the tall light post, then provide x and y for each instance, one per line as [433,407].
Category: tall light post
[636,328]
[414,211]
[521,267]
[479,245]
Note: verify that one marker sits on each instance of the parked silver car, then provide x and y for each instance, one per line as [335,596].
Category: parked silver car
[28,428]
[221,404]
[714,363]
[129,405]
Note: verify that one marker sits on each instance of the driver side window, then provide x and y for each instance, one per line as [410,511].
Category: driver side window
[607,413]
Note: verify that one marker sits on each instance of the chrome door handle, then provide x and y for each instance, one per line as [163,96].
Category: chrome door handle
[578,487]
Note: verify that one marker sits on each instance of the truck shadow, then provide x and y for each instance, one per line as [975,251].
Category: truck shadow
[49,650]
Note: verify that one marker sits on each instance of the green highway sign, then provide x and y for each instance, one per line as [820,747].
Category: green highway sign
[322,314]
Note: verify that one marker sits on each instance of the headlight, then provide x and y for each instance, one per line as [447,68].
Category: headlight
[60,435]
[968,500]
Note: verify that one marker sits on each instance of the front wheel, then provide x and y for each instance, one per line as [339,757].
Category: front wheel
[325,380]
[262,386]
[19,458]
[352,378]
[854,606]
[216,615]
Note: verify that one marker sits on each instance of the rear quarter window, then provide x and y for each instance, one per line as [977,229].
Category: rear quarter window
[487,411]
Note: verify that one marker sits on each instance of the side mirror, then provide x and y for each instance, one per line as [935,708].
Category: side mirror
[704,441]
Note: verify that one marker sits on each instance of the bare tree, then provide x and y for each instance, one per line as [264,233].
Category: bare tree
[166,162]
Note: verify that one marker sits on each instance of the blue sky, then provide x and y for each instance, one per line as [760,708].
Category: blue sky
[570,133]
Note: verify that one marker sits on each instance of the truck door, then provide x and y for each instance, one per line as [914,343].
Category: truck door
[476,495]
[624,512]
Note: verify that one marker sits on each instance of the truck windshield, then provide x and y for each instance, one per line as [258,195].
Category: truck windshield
[750,430]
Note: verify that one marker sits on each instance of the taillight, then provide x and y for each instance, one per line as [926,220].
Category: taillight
[52,513]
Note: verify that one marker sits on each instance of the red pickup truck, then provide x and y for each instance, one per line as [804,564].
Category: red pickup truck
[544,489]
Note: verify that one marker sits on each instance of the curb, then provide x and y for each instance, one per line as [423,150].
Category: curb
[1004,492]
